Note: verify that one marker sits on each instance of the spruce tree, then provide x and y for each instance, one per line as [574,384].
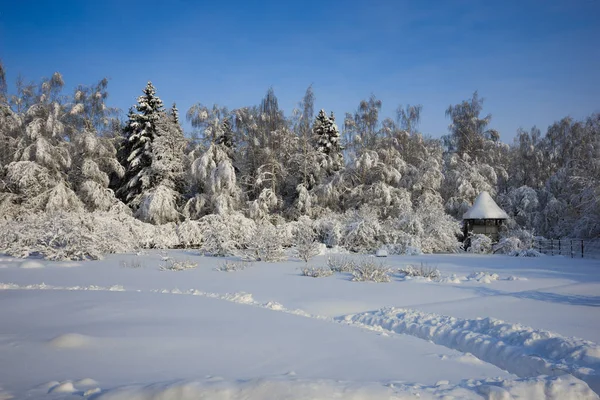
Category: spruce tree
[136,155]
[328,143]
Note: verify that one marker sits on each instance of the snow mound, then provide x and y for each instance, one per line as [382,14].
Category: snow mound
[64,387]
[483,277]
[31,265]
[289,388]
[451,279]
[518,349]
[86,382]
[485,207]
[70,341]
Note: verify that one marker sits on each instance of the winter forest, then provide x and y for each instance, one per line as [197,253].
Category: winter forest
[79,179]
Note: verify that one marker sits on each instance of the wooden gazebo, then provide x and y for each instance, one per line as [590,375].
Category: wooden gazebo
[484,217]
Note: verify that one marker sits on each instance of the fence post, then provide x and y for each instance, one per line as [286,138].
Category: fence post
[551,247]
[571,248]
[559,252]
[582,249]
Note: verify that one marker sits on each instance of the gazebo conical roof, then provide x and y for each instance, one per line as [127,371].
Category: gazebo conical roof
[485,208]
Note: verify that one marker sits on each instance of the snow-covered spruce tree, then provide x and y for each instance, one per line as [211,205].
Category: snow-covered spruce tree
[152,154]
[160,204]
[136,149]
[327,137]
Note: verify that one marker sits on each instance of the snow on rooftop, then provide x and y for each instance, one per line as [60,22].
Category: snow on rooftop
[485,208]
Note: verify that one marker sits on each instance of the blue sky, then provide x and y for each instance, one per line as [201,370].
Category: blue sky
[534,61]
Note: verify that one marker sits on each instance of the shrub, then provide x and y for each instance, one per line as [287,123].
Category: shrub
[362,230]
[231,266]
[480,244]
[306,240]
[367,270]
[70,236]
[178,265]
[424,271]
[317,272]
[265,244]
[341,263]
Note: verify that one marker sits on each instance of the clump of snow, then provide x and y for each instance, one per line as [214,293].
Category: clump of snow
[31,265]
[453,278]
[485,207]
[242,297]
[70,340]
[86,382]
[483,277]
[381,252]
[64,387]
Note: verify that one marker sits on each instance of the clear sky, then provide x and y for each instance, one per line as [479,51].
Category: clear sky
[534,61]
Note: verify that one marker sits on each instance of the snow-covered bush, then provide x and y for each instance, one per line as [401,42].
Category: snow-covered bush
[514,242]
[266,244]
[362,230]
[231,266]
[69,236]
[368,270]
[423,270]
[306,240]
[190,234]
[341,263]
[527,253]
[158,205]
[480,244]
[330,229]
[217,234]
[317,272]
[178,265]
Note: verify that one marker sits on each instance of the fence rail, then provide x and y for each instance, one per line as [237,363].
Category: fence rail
[574,248]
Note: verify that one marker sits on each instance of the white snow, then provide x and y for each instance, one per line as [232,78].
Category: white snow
[485,207]
[29,264]
[491,326]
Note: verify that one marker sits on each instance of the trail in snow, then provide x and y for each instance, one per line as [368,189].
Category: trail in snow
[518,349]
[515,348]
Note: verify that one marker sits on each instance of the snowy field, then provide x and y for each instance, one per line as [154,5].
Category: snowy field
[492,327]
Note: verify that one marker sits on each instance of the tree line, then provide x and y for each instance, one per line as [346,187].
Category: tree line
[381,176]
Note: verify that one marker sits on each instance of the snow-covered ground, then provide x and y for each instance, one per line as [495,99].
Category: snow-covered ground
[492,327]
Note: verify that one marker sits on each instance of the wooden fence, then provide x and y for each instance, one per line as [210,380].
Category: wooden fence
[574,248]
